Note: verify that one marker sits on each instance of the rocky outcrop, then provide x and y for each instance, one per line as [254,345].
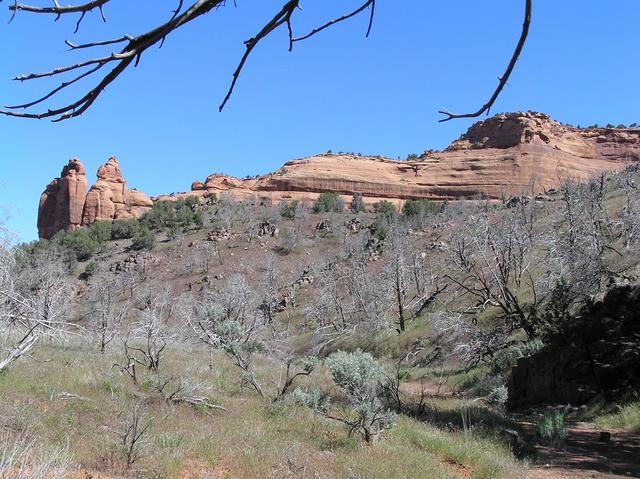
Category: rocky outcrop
[62,201]
[110,199]
[596,353]
[66,205]
[506,155]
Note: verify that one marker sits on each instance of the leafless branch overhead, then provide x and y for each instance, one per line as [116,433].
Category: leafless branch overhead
[505,77]
[134,46]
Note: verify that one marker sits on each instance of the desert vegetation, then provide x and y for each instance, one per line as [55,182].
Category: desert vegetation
[317,339]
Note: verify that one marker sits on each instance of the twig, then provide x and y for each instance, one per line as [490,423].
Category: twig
[505,77]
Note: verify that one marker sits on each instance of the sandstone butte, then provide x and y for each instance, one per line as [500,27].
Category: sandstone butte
[65,204]
[506,155]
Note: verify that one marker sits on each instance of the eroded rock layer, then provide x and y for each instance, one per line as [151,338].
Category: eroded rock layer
[506,155]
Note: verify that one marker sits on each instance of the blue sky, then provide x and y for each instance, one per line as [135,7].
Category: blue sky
[336,91]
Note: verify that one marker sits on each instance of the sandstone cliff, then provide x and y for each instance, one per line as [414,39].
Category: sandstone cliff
[62,201]
[506,155]
[509,154]
[110,199]
[66,205]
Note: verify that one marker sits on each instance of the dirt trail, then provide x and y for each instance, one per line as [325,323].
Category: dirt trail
[585,457]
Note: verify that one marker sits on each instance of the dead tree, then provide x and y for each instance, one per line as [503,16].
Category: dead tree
[132,432]
[410,276]
[107,314]
[34,304]
[127,50]
[151,330]
[492,275]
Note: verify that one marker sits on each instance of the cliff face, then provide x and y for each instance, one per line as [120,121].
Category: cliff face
[509,154]
[66,205]
[506,155]
[62,201]
[110,199]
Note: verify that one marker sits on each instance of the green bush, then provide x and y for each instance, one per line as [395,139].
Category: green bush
[384,209]
[626,417]
[357,205]
[552,429]
[328,202]
[166,214]
[144,239]
[124,229]
[100,231]
[418,208]
[357,373]
[359,377]
[379,229]
[79,242]
[90,269]
[498,396]
[288,209]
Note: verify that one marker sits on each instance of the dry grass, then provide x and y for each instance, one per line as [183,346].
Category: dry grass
[75,400]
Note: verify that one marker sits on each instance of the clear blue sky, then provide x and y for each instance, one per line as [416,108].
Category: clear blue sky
[336,91]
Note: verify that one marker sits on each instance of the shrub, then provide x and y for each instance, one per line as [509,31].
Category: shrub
[144,239]
[288,209]
[498,396]
[79,241]
[384,209]
[328,202]
[418,208]
[626,417]
[552,429]
[174,233]
[357,205]
[289,238]
[356,373]
[124,229]
[100,231]
[90,269]
[379,229]
[359,376]
[165,214]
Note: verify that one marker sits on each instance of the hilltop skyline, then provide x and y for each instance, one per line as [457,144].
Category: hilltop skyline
[340,91]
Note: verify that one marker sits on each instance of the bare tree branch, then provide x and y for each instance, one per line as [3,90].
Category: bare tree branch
[135,46]
[364,6]
[132,51]
[505,77]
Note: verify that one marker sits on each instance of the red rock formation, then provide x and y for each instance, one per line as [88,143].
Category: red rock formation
[110,199]
[509,154]
[506,155]
[62,201]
